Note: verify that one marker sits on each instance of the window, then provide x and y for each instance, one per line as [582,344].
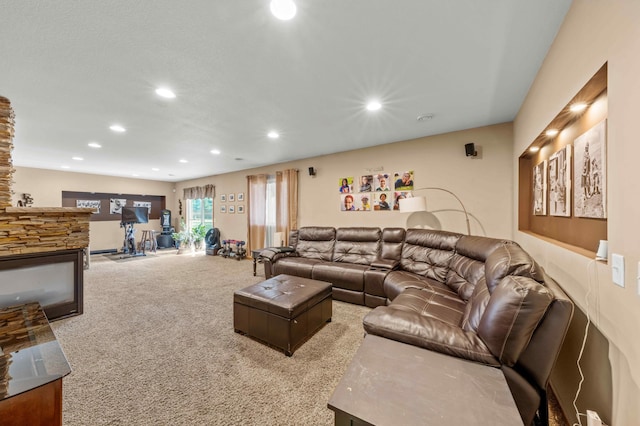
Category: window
[270,211]
[200,211]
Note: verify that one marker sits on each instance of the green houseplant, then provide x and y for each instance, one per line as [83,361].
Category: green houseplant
[183,238]
[198,233]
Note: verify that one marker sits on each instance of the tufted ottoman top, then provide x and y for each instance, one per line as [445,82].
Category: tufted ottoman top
[284,295]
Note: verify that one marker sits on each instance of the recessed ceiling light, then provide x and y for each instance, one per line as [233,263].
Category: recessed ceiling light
[165,93]
[273,135]
[155,169]
[577,107]
[374,106]
[77,158]
[283,9]
[183,160]
[534,149]
[215,151]
[135,174]
[94,145]
[551,132]
[117,128]
[64,167]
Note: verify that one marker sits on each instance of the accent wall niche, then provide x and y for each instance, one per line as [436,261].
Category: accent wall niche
[109,205]
[562,186]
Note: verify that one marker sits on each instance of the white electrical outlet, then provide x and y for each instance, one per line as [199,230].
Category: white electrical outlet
[617,269]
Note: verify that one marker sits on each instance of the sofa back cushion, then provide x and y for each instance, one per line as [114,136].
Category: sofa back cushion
[475,306]
[510,259]
[392,241]
[467,264]
[357,245]
[428,253]
[316,242]
[515,308]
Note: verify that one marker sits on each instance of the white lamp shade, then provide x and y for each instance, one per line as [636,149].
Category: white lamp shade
[603,250]
[414,204]
[277,239]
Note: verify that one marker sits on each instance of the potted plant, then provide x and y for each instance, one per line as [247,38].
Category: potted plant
[183,238]
[198,233]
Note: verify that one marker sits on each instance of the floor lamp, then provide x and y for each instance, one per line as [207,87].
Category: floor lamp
[419,204]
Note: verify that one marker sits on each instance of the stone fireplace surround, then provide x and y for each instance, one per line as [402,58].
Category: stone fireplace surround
[33,236]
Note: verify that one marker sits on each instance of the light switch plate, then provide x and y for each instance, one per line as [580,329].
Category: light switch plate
[617,269]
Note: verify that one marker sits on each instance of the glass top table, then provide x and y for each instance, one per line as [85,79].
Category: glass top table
[30,355]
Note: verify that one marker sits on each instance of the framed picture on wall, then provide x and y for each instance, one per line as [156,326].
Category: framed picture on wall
[540,189]
[240,197]
[223,208]
[232,198]
[232,209]
[560,183]
[346,185]
[223,198]
[590,173]
[240,208]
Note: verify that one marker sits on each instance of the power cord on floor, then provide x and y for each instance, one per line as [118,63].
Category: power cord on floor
[584,339]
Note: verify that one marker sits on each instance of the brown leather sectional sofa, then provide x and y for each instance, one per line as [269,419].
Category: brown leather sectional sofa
[472,297]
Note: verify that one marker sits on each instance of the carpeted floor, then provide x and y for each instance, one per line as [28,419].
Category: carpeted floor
[156,346]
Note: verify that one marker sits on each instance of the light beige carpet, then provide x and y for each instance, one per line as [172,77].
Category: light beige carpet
[156,346]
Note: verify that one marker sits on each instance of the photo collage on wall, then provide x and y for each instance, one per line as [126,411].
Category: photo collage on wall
[589,178]
[375,192]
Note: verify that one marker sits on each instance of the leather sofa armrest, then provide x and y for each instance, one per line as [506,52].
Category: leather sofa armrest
[385,264]
[427,332]
[273,253]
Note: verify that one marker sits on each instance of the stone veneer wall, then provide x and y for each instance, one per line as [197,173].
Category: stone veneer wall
[6,145]
[32,229]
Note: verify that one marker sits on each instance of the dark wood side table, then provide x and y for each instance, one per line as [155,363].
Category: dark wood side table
[392,383]
[32,366]
[255,254]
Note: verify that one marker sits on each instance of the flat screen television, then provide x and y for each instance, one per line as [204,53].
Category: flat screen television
[135,215]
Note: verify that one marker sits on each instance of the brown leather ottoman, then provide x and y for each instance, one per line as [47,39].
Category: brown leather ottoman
[283,311]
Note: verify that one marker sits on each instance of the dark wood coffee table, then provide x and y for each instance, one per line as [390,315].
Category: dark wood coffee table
[392,383]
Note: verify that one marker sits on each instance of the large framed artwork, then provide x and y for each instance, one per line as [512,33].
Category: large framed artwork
[540,189]
[560,183]
[590,173]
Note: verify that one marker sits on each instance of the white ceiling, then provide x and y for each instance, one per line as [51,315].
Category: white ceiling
[73,68]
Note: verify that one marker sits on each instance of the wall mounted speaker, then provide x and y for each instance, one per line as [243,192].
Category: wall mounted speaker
[470,149]
[312,171]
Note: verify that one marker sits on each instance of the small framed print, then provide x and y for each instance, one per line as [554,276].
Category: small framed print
[232,209]
[240,198]
[223,197]
[223,209]
[240,207]
[231,198]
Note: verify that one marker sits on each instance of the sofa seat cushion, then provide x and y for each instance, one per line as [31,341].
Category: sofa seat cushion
[298,266]
[398,281]
[447,308]
[405,324]
[342,275]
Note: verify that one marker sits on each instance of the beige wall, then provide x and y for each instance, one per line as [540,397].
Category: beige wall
[593,33]
[46,186]
[482,183]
